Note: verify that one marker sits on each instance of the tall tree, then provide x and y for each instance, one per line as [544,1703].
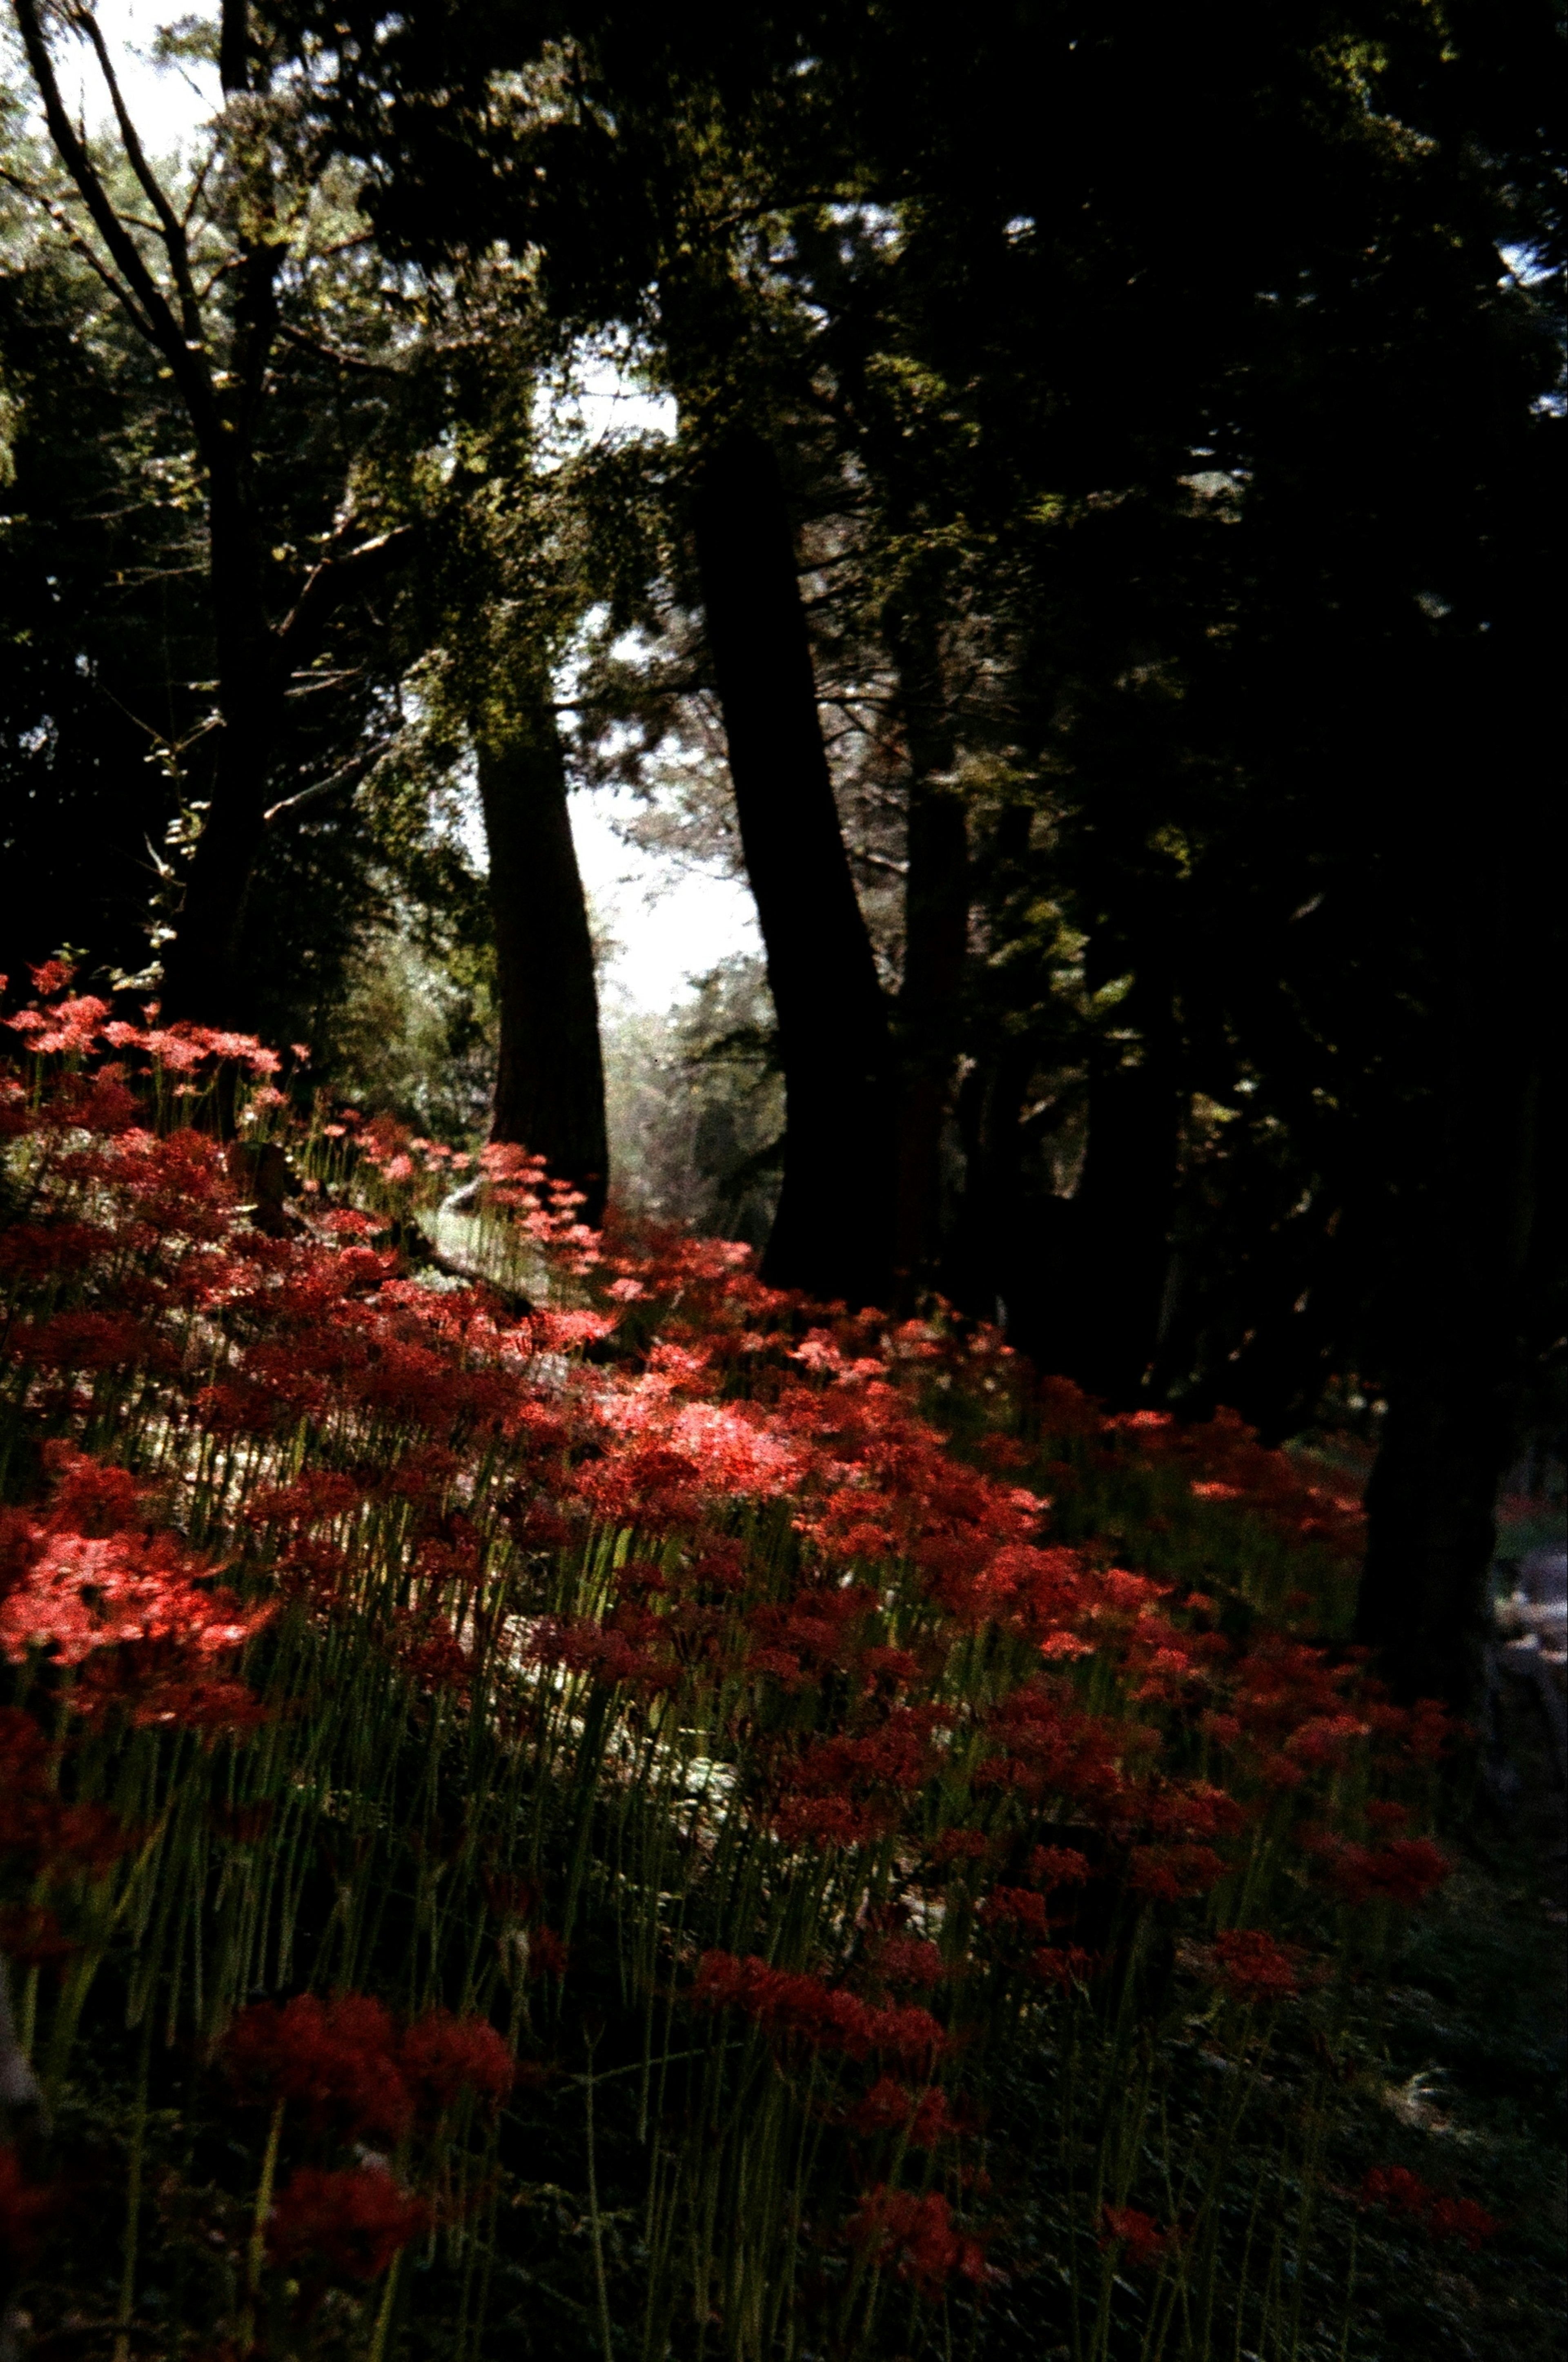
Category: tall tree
[218,284]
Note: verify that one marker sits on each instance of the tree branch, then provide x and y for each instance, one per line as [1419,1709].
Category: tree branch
[335,579]
[170,227]
[151,312]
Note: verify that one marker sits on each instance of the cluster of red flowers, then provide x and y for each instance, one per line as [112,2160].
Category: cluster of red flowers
[39,1828]
[916,2236]
[924,2118]
[800,2008]
[350,2069]
[1252,1967]
[1399,2191]
[90,1576]
[350,2224]
[915,1650]
[1404,1872]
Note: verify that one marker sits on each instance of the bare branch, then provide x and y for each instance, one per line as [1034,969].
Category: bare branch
[336,579]
[351,772]
[170,227]
[331,353]
[151,312]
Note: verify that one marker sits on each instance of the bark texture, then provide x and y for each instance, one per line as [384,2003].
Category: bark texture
[549,1092]
[832,1232]
[936,942]
[1455,1389]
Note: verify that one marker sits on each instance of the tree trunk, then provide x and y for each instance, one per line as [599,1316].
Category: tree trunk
[1100,1320]
[936,942]
[203,975]
[1455,1389]
[832,1234]
[549,1088]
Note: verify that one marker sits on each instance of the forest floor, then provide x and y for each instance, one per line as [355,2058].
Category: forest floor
[1472,2057]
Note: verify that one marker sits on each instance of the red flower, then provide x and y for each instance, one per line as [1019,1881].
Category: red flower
[909,1960]
[1136,2234]
[959,1845]
[1400,2191]
[1053,1866]
[1252,1967]
[1064,1966]
[1168,1873]
[1404,1872]
[1462,2218]
[354,2223]
[1014,1907]
[917,2232]
[336,2060]
[442,2055]
[803,2008]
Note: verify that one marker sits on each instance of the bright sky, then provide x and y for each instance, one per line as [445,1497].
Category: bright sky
[669,923]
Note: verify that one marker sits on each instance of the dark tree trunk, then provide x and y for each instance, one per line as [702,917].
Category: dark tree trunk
[1474,1294]
[1454,1389]
[1100,1320]
[202,967]
[549,1089]
[936,941]
[989,1264]
[832,1234]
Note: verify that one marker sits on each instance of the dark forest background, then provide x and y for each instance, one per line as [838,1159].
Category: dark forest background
[1102,591]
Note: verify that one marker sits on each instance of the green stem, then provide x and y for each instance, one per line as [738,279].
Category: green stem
[256,2253]
[383,2318]
[133,2199]
[594,2227]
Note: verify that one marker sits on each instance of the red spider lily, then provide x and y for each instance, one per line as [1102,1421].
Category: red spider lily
[24,2207]
[1193,1810]
[1171,1873]
[1045,1747]
[960,1845]
[1014,1907]
[887,2107]
[1399,2191]
[1136,2236]
[1068,1966]
[909,1960]
[78,1593]
[1325,1739]
[832,1821]
[353,2224]
[1396,2188]
[916,2234]
[337,2060]
[1055,1866]
[441,2055]
[1252,1965]
[1462,2218]
[1404,1872]
[803,2008]
[48,1834]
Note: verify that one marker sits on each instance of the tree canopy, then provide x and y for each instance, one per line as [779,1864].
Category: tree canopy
[1100,587]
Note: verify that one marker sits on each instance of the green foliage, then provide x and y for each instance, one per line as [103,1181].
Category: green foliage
[695,1108]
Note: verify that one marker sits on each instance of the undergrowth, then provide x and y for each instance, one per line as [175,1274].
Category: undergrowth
[625,1813]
